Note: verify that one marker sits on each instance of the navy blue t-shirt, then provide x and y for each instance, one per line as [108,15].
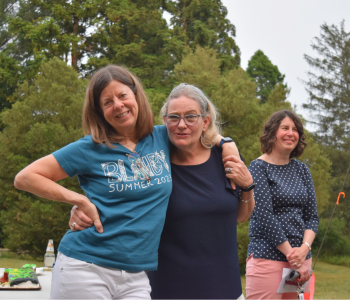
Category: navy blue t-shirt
[198,256]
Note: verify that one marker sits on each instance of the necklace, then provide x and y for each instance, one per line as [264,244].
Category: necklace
[131,147]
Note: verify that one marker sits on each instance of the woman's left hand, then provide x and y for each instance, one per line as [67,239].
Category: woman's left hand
[227,150]
[237,171]
[296,256]
[304,273]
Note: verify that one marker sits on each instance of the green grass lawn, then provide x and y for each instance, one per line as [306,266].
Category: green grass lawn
[12,260]
[331,281]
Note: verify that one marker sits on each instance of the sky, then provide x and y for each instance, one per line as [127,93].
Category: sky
[284,30]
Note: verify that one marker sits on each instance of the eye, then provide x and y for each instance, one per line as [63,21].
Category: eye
[122,96]
[173,117]
[191,117]
[107,103]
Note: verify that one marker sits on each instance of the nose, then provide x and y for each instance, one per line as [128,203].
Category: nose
[290,131]
[182,123]
[117,104]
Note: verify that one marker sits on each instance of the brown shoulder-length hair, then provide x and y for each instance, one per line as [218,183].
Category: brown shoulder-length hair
[94,122]
[268,136]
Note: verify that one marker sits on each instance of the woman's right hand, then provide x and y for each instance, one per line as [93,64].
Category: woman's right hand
[85,216]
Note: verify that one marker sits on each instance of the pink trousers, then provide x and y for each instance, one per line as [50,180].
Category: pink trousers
[263,277]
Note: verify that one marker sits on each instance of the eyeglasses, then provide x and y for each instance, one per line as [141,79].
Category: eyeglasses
[135,158]
[190,120]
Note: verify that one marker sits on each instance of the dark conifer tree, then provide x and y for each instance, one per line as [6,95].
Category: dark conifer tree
[264,74]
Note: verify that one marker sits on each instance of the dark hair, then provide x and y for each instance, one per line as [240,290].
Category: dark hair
[94,122]
[268,136]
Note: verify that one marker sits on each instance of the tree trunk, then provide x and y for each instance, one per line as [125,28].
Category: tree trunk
[74,44]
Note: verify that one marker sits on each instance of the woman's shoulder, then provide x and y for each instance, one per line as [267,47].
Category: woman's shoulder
[257,164]
[300,165]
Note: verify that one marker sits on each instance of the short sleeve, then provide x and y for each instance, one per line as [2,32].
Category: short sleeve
[73,158]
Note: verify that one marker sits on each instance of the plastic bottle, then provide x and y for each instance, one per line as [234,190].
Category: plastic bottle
[49,257]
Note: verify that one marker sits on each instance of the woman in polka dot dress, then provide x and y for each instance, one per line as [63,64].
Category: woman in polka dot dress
[284,222]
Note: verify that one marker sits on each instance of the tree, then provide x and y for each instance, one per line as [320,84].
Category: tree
[264,74]
[45,117]
[135,34]
[89,35]
[204,23]
[328,87]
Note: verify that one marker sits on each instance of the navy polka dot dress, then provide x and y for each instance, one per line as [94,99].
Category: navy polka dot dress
[285,206]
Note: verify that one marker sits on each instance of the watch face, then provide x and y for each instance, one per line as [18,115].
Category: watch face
[227,139]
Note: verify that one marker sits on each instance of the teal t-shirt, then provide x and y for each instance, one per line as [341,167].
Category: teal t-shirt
[132,209]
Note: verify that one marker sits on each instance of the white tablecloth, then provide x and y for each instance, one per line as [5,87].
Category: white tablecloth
[44,293]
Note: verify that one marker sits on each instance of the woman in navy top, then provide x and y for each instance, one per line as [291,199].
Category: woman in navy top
[284,222]
[198,256]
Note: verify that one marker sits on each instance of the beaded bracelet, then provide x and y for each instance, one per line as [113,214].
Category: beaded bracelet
[245,201]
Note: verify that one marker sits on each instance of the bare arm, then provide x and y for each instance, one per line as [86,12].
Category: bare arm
[40,178]
[227,150]
[241,175]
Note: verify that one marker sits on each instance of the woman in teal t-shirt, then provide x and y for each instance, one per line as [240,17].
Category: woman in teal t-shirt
[123,167]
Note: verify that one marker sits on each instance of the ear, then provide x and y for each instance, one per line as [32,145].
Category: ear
[164,122]
[206,122]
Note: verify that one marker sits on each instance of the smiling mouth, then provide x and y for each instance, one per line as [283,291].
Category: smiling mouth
[123,115]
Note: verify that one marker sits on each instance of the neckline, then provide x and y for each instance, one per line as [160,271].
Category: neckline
[275,164]
[196,164]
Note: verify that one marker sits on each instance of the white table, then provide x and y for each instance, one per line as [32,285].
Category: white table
[44,293]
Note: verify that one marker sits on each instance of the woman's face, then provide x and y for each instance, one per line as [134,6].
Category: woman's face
[119,107]
[287,136]
[184,136]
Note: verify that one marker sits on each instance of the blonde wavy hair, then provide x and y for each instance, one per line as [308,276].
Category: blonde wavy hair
[208,137]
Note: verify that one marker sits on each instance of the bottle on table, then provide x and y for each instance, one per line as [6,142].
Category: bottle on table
[49,257]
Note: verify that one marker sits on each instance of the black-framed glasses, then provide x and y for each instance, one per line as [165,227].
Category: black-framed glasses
[190,120]
[135,159]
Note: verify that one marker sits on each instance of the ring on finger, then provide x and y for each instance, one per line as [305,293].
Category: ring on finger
[72,225]
[296,264]
[228,170]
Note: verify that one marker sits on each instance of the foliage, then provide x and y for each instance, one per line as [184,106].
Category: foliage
[46,117]
[204,23]
[335,242]
[92,34]
[242,242]
[264,74]
[328,89]
[134,34]
[329,106]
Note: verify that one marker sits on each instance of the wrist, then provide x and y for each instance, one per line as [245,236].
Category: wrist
[80,201]
[306,245]
[249,187]
[225,140]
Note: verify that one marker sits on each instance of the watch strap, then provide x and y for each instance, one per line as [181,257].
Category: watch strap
[249,188]
[225,140]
